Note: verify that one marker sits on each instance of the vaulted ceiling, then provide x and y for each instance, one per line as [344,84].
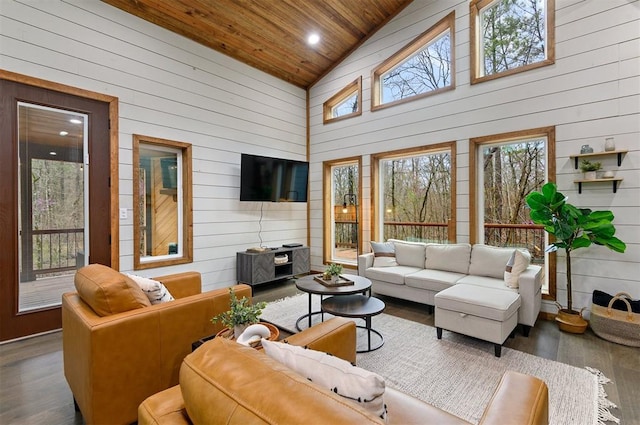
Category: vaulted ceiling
[271,35]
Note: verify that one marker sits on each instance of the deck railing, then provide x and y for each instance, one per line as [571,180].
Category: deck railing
[529,236]
[56,250]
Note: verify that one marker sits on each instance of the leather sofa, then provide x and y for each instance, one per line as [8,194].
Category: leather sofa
[113,362]
[421,270]
[225,383]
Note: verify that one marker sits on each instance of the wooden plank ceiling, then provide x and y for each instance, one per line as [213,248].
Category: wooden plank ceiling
[271,35]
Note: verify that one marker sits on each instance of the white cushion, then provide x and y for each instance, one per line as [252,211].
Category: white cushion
[339,376]
[384,254]
[448,257]
[487,260]
[410,253]
[154,290]
[394,274]
[518,263]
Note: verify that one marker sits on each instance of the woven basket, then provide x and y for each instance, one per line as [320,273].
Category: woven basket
[622,327]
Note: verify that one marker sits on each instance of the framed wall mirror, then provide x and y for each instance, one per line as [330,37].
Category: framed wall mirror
[162,208]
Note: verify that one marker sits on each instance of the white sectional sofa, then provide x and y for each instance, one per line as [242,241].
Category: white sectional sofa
[418,271]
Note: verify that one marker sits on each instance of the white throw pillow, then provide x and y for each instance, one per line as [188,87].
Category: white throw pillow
[518,263]
[487,260]
[384,254]
[448,257]
[154,290]
[410,253]
[356,384]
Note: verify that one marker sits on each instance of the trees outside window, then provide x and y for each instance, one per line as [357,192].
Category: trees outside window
[510,36]
[346,103]
[415,195]
[423,67]
[506,168]
[342,211]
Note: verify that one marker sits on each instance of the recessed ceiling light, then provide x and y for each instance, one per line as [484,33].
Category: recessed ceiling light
[75,121]
[64,133]
[52,153]
[313,39]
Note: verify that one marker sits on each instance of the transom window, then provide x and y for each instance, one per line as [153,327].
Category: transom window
[423,67]
[509,36]
[346,103]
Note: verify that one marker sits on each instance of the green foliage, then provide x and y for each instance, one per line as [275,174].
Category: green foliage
[333,269]
[572,227]
[586,166]
[241,312]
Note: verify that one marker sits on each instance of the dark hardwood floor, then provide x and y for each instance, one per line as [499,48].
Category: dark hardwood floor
[33,389]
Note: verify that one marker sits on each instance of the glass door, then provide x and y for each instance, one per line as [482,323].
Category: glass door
[52,203]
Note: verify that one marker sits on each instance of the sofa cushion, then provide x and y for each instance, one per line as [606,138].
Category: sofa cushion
[393,274]
[154,290]
[486,282]
[384,254]
[227,383]
[433,280]
[518,263]
[409,253]
[487,260]
[107,291]
[448,257]
[335,374]
[491,304]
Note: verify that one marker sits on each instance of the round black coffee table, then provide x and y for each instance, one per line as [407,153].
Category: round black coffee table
[359,307]
[308,284]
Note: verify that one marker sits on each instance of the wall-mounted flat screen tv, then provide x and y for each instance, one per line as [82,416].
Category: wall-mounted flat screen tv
[267,179]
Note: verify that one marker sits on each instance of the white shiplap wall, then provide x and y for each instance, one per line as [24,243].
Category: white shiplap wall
[591,92]
[172,88]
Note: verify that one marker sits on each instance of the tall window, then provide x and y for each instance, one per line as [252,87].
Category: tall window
[162,202]
[342,211]
[507,168]
[346,103]
[509,36]
[423,67]
[415,194]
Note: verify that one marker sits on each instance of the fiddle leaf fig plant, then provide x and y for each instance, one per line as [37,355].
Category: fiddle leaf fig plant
[572,227]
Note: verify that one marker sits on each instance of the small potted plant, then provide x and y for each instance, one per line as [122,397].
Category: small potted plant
[589,169]
[241,315]
[332,272]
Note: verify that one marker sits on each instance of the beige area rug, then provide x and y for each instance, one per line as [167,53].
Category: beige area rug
[459,374]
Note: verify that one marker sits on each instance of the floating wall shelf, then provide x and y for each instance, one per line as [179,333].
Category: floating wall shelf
[614,180]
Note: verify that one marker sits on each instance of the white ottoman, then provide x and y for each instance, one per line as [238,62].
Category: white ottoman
[485,313]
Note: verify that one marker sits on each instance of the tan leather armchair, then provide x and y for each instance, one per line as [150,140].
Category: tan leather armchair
[112,363]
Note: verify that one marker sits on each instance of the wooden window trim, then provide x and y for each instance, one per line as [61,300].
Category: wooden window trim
[187,202]
[375,185]
[446,23]
[327,187]
[338,98]
[474,144]
[474,15]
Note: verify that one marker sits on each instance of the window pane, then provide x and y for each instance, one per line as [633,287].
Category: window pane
[513,35]
[416,197]
[511,172]
[427,70]
[347,106]
[345,213]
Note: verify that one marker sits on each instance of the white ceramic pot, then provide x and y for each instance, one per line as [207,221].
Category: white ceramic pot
[590,175]
[609,145]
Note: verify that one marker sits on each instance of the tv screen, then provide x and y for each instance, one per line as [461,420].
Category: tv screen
[269,179]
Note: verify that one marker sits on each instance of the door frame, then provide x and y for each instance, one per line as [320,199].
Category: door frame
[10,328]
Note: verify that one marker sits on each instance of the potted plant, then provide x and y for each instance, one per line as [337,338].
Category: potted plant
[572,228]
[332,271]
[589,169]
[241,315]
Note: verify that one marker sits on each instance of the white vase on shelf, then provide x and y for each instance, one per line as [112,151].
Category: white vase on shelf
[590,175]
[609,144]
